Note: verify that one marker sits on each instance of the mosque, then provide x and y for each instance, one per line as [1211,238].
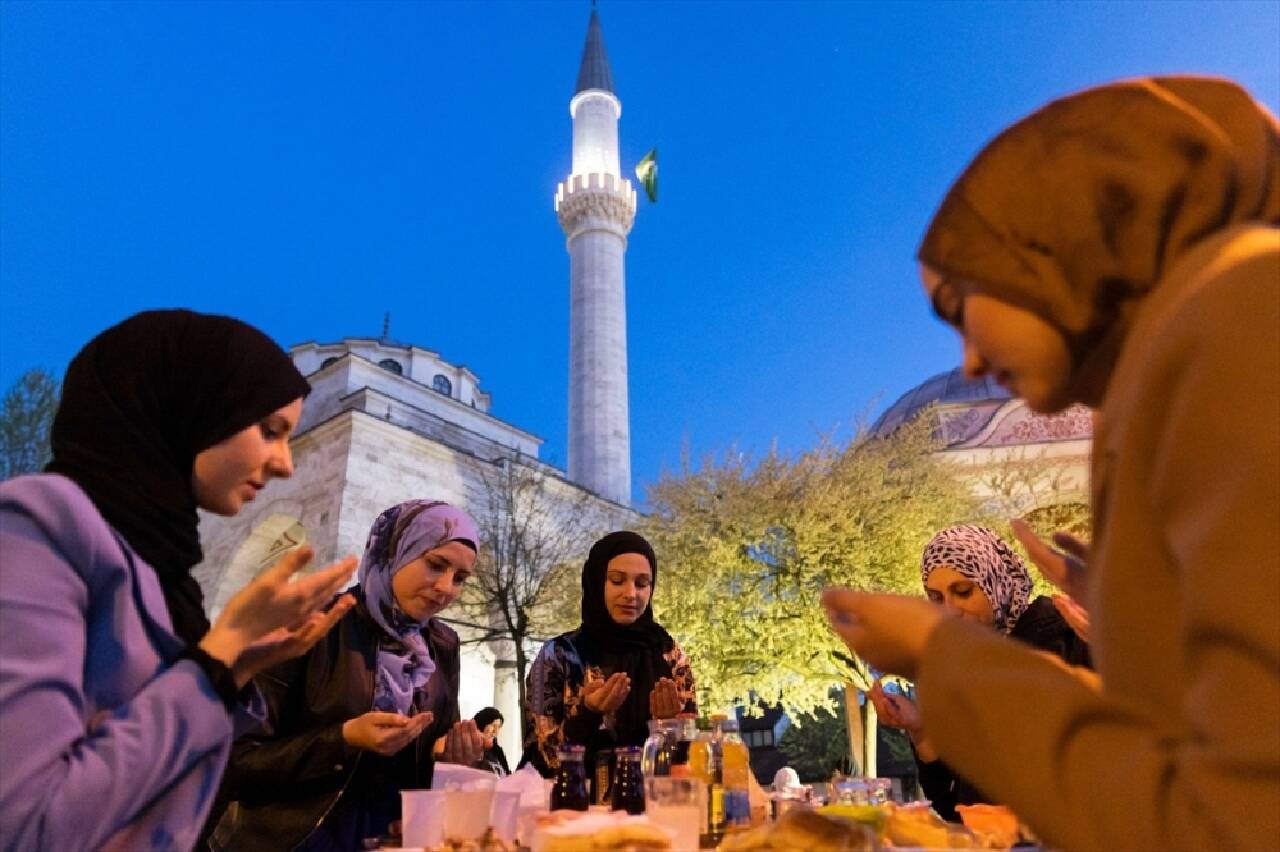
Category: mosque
[388,421]
[989,435]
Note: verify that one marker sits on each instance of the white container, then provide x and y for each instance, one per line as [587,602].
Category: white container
[422,817]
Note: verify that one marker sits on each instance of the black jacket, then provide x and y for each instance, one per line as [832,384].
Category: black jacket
[286,777]
[1042,627]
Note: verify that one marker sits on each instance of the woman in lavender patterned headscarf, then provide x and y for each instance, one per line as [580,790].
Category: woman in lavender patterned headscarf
[367,713]
[976,575]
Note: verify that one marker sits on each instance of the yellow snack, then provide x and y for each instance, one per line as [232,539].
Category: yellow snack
[873,816]
[918,825]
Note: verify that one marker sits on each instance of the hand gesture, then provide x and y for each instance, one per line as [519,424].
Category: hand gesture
[463,744]
[384,733]
[606,695]
[664,700]
[896,711]
[1076,616]
[888,631]
[282,643]
[270,603]
[1067,568]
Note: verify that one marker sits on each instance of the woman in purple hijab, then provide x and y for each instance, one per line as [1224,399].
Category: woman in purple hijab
[369,710]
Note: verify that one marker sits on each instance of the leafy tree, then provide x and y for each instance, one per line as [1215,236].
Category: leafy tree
[750,545]
[26,417]
[536,530]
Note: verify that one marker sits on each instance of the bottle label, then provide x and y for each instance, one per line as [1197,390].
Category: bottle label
[603,793]
[715,810]
[737,809]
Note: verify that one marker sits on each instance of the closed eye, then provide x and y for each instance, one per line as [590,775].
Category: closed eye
[948,305]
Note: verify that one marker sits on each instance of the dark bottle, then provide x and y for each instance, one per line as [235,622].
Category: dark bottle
[628,780]
[570,790]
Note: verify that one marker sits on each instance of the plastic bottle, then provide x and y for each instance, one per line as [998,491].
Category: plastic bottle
[737,769]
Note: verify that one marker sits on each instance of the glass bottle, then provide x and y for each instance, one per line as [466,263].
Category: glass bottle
[570,790]
[706,765]
[628,780]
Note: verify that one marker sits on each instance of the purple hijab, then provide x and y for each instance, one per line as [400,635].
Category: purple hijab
[400,535]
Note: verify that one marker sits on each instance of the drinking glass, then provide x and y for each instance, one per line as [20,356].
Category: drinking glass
[674,805]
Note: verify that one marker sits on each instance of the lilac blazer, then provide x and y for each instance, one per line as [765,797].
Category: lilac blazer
[104,744]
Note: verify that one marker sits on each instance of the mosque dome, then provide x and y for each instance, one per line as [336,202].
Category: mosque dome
[946,389]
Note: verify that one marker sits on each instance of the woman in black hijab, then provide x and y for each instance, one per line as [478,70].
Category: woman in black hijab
[107,652]
[489,721]
[602,683]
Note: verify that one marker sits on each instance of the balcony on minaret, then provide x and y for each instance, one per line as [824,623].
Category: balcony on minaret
[595,202]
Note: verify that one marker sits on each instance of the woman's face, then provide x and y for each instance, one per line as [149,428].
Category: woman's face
[491,732]
[231,473]
[628,583]
[958,593]
[434,580]
[1020,350]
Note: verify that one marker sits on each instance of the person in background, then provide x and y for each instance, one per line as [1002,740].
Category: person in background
[367,712]
[489,722]
[1120,248]
[605,680]
[974,574]
[119,700]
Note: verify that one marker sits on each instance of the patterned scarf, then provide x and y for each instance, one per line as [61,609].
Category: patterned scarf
[982,557]
[400,535]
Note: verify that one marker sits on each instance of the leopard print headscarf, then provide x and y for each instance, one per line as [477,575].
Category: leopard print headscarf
[983,557]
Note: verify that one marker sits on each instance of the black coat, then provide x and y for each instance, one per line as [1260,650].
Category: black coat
[1041,626]
[287,777]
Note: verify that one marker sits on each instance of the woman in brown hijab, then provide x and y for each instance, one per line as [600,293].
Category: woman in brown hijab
[1120,248]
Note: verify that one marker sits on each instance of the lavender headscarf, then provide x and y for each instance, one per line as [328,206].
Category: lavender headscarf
[400,535]
[983,557]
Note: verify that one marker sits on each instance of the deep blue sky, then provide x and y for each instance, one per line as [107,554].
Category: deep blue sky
[308,166]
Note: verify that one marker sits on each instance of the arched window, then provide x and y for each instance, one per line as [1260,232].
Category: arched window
[442,385]
[391,366]
[327,361]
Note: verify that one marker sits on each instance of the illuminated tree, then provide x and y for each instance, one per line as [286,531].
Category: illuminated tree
[748,545]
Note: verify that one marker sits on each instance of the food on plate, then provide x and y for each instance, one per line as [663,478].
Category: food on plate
[802,830]
[629,837]
[872,816]
[917,825]
[487,842]
[995,826]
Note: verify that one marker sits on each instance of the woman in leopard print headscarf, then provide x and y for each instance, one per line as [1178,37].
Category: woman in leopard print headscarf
[978,556]
[973,573]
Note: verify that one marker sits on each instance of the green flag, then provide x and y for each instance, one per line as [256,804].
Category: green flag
[647,174]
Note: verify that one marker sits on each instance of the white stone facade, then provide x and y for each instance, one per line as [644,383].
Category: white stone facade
[367,440]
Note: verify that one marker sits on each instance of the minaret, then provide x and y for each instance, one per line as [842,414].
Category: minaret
[596,207]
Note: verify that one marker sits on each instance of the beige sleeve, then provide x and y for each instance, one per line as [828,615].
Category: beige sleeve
[1083,768]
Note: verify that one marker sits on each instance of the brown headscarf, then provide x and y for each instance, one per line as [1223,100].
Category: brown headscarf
[1077,211]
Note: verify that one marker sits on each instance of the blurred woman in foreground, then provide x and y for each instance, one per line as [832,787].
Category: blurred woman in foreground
[1120,248]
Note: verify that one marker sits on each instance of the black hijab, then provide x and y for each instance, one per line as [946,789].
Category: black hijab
[637,648]
[139,402]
